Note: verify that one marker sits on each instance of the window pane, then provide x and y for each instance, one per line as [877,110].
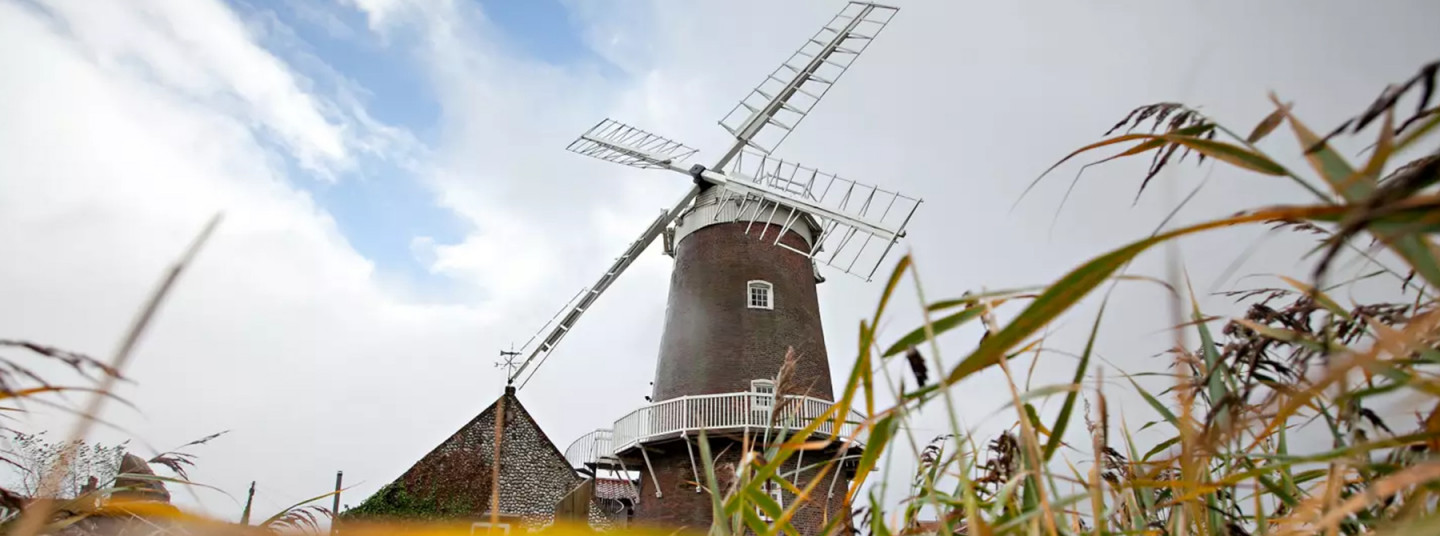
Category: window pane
[759,295]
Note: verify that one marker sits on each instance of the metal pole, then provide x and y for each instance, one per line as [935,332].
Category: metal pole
[335,506]
[245,516]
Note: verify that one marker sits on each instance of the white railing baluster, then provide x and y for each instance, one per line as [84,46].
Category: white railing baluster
[718,412]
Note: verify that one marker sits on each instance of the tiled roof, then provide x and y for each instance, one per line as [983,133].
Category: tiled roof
[614,488]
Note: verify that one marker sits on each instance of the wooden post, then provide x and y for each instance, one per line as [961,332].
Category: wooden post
[335,506]
[495,462]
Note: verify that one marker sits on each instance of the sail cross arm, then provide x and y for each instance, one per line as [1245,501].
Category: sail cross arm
[746,185]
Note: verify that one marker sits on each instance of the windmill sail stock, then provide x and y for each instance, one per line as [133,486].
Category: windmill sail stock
[858,224]
[587,296]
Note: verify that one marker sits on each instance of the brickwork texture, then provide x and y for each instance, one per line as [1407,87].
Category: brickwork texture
[680,505]
[713,342]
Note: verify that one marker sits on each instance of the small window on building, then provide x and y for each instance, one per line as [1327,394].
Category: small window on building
[760,295]
[776,494]
[764,397]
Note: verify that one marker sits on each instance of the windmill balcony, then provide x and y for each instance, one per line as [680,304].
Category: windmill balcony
[726,413]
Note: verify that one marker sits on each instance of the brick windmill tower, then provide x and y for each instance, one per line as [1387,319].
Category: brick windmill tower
[747,241]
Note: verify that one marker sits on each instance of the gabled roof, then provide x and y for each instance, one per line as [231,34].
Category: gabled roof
[454,479]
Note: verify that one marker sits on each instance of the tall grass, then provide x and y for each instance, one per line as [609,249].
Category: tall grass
[1297,362]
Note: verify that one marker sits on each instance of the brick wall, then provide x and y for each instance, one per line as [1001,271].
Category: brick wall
[681,506]
[712,341]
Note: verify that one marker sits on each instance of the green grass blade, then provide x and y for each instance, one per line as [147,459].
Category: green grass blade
[942,325]
[880,436]
[1063,419]
[1155,404]
[1160,447]
[718,527]
[1075,285]
[860,374]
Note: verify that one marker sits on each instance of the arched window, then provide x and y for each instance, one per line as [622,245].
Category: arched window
[760,295]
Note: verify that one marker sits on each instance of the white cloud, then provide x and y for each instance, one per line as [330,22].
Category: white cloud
[277,332]
[505,250]
[121,141]
[381,13]
[202,51]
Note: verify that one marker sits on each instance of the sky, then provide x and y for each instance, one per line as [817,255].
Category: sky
[398,205]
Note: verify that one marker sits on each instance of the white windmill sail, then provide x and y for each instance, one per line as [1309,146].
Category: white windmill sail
[613,141]
[766,116]
[583,301]
[859,223]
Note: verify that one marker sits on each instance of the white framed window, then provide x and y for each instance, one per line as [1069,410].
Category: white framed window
[765,389]
[484,527]
[760,295]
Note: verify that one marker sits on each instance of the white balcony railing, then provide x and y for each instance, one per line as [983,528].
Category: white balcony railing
[590,448]
[718,412]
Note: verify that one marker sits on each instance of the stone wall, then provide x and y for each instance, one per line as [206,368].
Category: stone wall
[534,474]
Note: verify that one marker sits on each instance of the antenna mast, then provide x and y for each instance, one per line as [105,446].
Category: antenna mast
[507,361]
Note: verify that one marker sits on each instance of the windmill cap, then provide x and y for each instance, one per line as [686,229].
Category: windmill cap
[709,209]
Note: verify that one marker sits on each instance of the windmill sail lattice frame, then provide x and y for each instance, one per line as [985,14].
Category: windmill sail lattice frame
[852,216]
[613,141]
[766,116]
[854,248]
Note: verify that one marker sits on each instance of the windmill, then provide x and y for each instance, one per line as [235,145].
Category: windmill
[747,240]
[858,223]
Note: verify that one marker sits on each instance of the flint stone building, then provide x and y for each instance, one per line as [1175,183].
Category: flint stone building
[455,481]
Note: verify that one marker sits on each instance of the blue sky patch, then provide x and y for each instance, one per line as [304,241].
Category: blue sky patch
[540,29]
[382,209]
[378,207]
[397,89]
[381,214]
